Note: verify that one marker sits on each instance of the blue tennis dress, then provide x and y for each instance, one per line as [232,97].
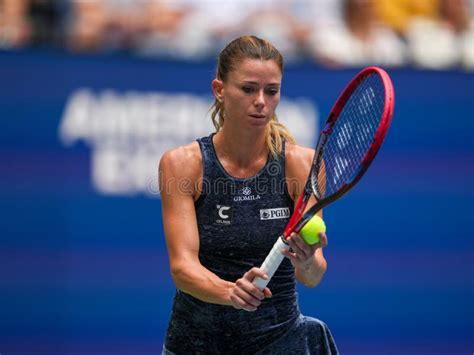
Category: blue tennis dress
[239,220]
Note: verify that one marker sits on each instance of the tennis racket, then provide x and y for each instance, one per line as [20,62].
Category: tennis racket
[347,145]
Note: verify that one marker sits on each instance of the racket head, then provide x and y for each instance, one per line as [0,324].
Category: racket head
[349,141]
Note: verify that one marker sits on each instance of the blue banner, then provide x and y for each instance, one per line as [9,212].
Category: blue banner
[84,267]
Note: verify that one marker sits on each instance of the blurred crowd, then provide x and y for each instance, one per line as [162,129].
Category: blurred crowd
[432,34]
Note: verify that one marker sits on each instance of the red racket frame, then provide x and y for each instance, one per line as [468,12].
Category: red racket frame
[299,217]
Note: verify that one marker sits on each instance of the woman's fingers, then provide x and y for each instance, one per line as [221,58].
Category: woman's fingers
[299,247]
[267,292]
[245,294]
[301,253]
[241,303]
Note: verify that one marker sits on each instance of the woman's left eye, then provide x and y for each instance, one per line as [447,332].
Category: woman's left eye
[272,91]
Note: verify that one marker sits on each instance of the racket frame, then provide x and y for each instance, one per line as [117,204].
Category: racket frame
[299,217]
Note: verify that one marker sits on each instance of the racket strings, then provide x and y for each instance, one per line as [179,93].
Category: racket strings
[352,136]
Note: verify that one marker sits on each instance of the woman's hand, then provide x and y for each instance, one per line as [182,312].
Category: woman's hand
[245,295]
[301,254]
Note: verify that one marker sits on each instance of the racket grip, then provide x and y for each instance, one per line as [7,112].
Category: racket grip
[271,263]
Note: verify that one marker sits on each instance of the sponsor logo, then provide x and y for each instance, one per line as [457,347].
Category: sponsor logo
[245,194]
[223,215]
[246,191]
[275,213]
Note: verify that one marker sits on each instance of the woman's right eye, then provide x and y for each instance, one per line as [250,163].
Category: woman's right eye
[247,89]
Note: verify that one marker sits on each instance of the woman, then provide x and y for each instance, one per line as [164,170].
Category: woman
[225,200]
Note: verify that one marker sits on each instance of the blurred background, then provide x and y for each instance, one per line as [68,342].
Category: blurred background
[93,92]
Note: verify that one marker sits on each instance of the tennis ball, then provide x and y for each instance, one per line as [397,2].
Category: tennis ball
[310,231]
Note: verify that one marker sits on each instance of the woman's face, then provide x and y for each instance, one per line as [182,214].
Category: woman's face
[251,93]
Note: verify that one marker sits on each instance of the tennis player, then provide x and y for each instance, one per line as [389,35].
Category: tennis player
[226,198]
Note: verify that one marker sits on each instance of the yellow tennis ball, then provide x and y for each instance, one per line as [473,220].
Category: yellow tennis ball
[310,231]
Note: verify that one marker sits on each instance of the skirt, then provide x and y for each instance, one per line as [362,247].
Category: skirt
[308,336]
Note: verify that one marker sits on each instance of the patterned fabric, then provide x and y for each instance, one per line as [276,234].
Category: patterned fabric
[239,220]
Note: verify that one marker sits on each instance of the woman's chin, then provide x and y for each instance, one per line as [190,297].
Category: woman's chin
[258,121]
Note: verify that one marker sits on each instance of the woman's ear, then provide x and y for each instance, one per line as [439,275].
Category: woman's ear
[218,90]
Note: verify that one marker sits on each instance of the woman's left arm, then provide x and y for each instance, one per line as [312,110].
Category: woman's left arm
[308,260]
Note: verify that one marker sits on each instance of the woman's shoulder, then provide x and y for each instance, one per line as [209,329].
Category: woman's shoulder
[297,155]
[298,161]
[183,161]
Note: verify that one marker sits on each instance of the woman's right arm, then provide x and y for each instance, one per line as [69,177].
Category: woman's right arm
[179,172]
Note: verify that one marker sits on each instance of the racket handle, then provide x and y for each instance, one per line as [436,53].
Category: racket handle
[272,262]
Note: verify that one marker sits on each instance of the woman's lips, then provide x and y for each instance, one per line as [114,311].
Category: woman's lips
[257,115]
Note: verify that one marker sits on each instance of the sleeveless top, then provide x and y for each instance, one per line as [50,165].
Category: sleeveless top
[239,220]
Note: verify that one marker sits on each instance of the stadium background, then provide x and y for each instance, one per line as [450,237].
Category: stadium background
[83,264]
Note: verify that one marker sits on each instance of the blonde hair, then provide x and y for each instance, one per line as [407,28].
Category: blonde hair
[250,47]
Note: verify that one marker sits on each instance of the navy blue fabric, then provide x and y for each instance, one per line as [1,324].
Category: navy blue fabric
[239,220]
[307,336]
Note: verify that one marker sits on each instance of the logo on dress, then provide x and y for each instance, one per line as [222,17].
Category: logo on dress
[274,213]
[245,194]
[246,191]
[223,215]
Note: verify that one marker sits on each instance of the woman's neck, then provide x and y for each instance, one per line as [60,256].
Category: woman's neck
[241,152]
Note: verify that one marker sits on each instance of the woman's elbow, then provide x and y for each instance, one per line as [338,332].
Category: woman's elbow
[181,273]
